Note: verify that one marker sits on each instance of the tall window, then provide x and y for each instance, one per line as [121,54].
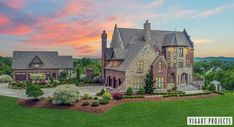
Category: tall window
[160,82]
[160,66]
[138,82]
[140,66]
[188,61]
[181,52]
[180,64]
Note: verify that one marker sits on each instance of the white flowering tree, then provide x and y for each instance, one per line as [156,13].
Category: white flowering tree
[37,76]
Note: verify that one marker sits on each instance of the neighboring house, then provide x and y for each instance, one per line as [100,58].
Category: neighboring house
[49,63]
[217,85]
[133,52]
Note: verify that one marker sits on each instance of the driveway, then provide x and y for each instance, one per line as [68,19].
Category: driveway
[20,93]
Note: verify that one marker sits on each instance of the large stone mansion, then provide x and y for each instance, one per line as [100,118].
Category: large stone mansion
[134,52]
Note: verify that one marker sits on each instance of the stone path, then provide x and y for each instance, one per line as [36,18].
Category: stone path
[20,93]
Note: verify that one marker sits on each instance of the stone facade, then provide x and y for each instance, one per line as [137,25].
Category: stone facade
[134,52]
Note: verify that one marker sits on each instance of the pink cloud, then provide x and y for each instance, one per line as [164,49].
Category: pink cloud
[4,20]
[16,4]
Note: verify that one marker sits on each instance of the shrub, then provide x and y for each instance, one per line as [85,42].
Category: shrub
[106,96]
[66,94]
[95,98]
[95,103]
[5,78]
[85,103]
[129,91]
[101,92]
[86,96]
[211,87]
[117,96]
[34,91]
[103,101]
[90,97]
[141,91]
[134,96]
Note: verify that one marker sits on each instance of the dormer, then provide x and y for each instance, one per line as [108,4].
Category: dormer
[36,62]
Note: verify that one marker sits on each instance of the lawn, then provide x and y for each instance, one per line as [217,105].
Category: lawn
[137,114]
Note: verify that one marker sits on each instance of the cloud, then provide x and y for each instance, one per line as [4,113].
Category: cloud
[213,11]
[4,20]
[15,4]
[202,41]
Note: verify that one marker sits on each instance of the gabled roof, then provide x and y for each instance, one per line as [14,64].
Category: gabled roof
[36,60]
[176,39]
[50,59]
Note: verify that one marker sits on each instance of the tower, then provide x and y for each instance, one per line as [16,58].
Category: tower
[103,53]
[147,31]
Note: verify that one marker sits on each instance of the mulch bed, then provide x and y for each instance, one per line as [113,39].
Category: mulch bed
[45,103]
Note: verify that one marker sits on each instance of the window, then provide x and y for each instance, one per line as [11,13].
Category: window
[180,64]
[138,82]
[140,66]
[36,65]
[160,66]
[188,61]
[160,82]
[114,63]
[181,52]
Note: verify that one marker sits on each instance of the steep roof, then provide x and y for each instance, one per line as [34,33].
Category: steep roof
[50,59]
[129,42]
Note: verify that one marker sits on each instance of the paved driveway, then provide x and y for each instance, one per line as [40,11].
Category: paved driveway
[20,93]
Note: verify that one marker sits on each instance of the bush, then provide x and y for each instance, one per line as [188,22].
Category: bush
[90,97]
[85,103]
[101,92]
[5,78]
[66,94]
[34,91]
[136,96]
[95,103]
[129,91]
[95,98]
[106,96]
[103,101]
[211,87]
[86,96]
[141,91]
[117,96]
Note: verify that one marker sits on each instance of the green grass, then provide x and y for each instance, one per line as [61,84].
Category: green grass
[137,114]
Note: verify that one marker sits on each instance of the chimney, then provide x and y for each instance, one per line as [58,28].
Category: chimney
[103,55]
[147,31]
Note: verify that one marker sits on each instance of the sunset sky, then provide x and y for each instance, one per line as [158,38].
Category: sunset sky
[73,27]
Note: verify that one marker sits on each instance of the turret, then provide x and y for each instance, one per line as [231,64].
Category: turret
[147,31]
[103,48]
[116,39]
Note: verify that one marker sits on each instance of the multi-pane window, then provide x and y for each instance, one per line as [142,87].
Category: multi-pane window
[138,82]
[188,61]
[181,52]
[140,66]
[114,63]
[180,64]
[160,82]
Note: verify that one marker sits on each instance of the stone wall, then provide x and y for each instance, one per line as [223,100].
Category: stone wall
[112,75]
[147,54]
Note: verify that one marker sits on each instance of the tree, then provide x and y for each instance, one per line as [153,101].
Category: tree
[211,87]
[78,74]
[34,91]
[149,83]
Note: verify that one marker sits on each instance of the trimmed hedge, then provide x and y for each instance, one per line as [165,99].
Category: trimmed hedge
[134,96]
[194,94]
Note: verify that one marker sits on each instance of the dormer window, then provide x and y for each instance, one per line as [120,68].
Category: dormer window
[36,62]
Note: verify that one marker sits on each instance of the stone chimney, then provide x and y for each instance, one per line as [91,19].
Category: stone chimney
[147,31]
[103,55]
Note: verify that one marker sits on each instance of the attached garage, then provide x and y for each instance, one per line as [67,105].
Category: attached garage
[20,76]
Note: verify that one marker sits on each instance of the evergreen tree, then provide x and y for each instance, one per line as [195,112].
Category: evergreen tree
[149,83]
[78,74]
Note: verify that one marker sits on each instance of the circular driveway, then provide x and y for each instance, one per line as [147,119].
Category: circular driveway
[20,93]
